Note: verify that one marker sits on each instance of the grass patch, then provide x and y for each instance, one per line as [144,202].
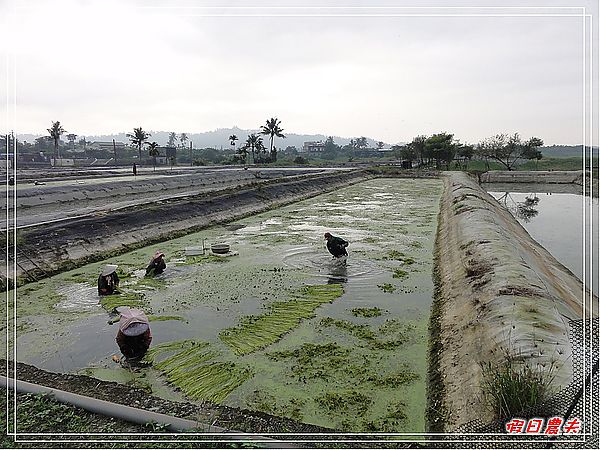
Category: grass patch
[256,332]
[366,312]
[509,388]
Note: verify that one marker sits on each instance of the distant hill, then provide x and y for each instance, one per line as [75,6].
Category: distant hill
[214,139]
[565,151]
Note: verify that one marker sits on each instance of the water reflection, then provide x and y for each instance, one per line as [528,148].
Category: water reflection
[565,224]
[525,210]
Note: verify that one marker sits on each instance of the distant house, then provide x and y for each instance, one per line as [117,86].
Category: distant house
[106,145]
[313,147]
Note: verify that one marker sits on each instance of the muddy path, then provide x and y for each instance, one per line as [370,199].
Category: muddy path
[55,247]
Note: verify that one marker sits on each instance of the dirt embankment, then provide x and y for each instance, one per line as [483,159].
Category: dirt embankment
[56,247]
[497,291]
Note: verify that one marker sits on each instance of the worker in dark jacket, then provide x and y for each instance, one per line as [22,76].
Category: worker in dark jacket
[133,337]
[156,265]
[108,281]
[336,245]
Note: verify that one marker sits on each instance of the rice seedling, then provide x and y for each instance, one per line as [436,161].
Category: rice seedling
[256,332]
[189,370]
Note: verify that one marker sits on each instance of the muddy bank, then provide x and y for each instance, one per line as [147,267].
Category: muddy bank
[497,291]
[217,415]
[62,246]
[535,176]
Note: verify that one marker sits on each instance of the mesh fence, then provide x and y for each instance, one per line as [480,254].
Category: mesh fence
[580,399]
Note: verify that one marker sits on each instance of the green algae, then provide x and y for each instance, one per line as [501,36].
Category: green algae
[387,287]
[150,283]
[366,312]
[389,335]
[396,255]
[129,299]
[359,331]
[256,332]
[399,273]
[315,360]
[342,402]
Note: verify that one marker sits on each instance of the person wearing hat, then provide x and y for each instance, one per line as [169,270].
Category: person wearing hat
[157,264]
[336,245]
[108,281]
[133,337]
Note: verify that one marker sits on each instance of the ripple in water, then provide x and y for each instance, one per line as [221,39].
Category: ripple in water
[321,264]
[78,296]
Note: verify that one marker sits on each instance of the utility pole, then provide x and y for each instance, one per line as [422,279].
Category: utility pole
[191,160]
[115,151]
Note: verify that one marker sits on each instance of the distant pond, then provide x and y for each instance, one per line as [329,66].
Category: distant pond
[554,216]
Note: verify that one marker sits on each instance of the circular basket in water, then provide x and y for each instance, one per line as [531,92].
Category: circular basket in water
[220,248]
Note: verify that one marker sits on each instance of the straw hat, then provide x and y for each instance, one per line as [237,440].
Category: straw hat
[133,322]
[108,269]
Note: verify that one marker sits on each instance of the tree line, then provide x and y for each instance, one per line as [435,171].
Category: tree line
[443,148]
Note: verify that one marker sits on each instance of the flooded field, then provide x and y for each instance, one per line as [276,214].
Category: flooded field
[278,326]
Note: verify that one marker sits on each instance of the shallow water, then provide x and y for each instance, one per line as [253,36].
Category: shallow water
[556,221]
[390,225]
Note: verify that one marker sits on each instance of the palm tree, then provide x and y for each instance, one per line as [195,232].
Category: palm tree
[138,138]
[232,140]
[172,139]
[55,131]
[154,152]
[183,138]
[272,129]
[253,143]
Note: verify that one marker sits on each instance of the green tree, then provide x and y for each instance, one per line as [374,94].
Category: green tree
[441,147]
[508,150]
[56,130]
[272,129]
[153,152]
[331,149]
[138,138]
[465,153]
[361,142]
[172,139]
[380,145]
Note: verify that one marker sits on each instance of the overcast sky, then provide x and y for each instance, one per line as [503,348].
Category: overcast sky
[108,66]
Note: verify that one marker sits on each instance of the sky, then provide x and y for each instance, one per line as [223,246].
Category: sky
[390,73]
